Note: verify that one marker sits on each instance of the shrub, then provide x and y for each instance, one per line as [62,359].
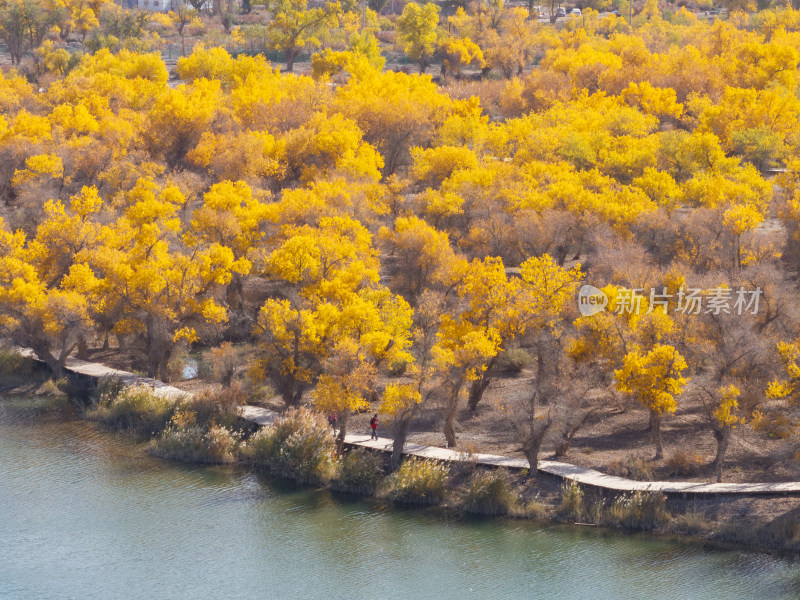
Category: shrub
[177,365]
[220,407]
[138,408]
[571,507]
[635,467]
[53,388]
[685,464]
[419,481]
[774,424]
[359,472]
[299,446]
[513,361]
[490,493]
[217,445]
[13,364]
[108,388]
[691,522]
[224,361]
[640,510]
[535,509]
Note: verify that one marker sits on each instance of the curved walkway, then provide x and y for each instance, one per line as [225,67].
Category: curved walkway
[582,475]
[588,477]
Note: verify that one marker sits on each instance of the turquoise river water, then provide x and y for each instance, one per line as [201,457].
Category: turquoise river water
[87,515]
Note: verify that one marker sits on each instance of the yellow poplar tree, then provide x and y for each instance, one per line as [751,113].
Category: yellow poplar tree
[655,380]
[161,287]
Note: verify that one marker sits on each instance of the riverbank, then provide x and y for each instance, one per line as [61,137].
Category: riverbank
[763,523]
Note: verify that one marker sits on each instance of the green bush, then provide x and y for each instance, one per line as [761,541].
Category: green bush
[299,446]
[137,408]
[419,481]
[640,510]
[359,472]
[217,445]
[490,493]
[571,507]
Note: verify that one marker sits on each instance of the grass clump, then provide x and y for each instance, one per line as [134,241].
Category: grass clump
[635,467]
[215,445]
[138,408]
[219,407]
[298,446]
[202,430]
[685,464]
[419,481]
[572,506]
[53,388]
[640,510]
[691,522]
[359,472]
[490,493]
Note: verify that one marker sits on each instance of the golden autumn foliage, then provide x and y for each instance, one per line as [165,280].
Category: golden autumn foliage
[369,222]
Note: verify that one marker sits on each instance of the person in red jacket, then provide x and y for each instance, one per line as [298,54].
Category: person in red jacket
[332,421]
[373,423]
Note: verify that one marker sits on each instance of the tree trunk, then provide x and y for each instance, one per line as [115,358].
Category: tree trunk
[477,389]
[291,393]
[655,431]
[83,348]
[290,56]
[344,416]
[158,364]
[450,416]
[234,294]
[531,448]
[55,365]
[723,436]
[401,428]
[163,367]
[569,432]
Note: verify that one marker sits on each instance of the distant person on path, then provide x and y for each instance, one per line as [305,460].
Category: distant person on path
[373,423]
[332,421]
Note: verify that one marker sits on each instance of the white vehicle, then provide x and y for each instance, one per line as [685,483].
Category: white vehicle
[576,12]
[561,12]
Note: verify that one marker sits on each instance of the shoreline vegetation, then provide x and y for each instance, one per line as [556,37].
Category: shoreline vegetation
[205,429]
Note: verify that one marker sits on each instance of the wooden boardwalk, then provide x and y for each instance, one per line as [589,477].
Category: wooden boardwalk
[582,475]
[98,371]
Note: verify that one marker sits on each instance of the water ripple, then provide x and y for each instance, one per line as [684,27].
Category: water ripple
[85,514]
